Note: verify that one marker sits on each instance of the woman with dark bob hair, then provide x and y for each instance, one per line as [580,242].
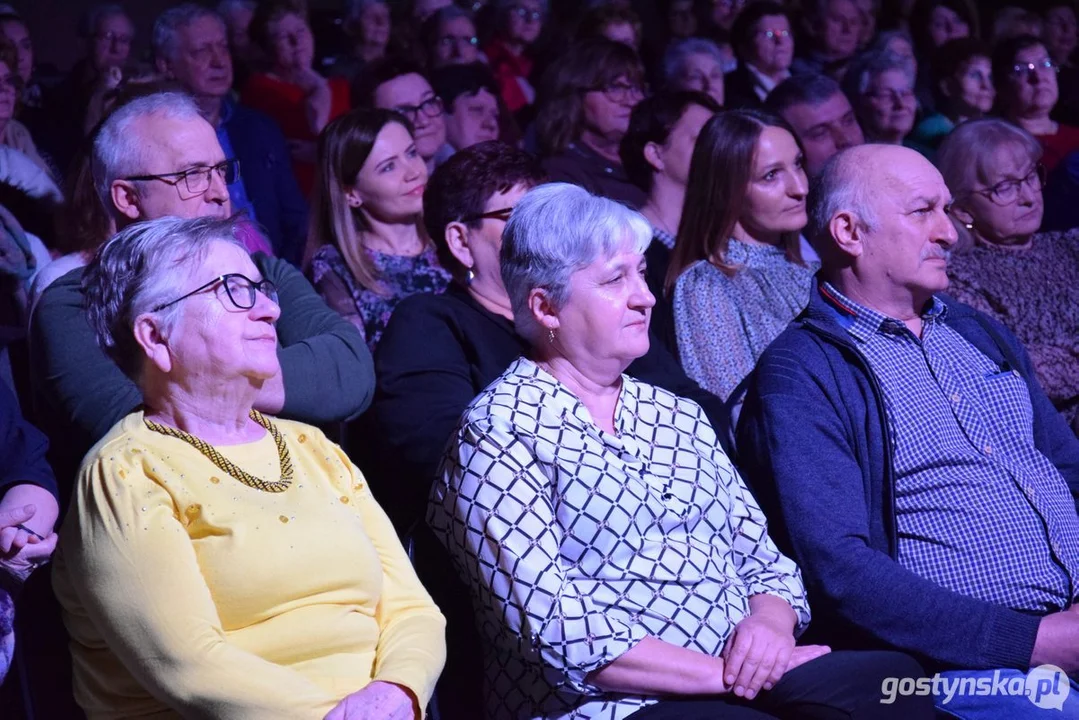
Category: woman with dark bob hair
[586,98]
[619,567]
[366,249]
[737,276]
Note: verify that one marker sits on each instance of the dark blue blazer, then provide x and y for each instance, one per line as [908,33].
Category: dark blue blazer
[266,169]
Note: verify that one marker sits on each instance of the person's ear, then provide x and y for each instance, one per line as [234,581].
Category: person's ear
[848,233]
[148,332]
[125,198]
[353,197]
[543,310]
[456,236]
[653,155]
[962,216]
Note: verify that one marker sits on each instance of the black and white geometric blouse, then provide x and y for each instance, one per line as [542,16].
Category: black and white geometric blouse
[578,543]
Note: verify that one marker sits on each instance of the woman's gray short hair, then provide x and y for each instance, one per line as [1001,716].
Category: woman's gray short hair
[870,65]
[674,60]
[555,230]
[167,27]
[145,265]
[118,152]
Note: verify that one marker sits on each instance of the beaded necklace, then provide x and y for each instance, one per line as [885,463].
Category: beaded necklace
[227,466]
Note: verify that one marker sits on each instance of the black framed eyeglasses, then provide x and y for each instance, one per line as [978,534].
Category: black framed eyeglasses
[431,107]
[241,291]
[620,92]
[448,40]
[502,214]
[1006,192]
[197,179]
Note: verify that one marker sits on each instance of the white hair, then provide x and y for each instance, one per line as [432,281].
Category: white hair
[169,23]
[119,152]
[674,60]
[555,230]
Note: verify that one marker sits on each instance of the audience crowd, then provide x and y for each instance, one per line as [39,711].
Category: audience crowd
[521,359]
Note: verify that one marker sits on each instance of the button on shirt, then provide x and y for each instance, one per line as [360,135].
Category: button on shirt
[237,194]
[579,543]
[979,509]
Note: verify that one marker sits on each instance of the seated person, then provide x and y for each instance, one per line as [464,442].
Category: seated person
[585,100]
[831,28]
[291,91]
[764,43]
[470,96]
[397,85]
[906,454]
[191,47]
[880,87]
[449,37]
[737,275]
[1027,94]
[516,28]
[695,64]
[1025,279]
[618,564]
[964,92]
[656,151]
[155,157]
[28,511]
[189,574]
[367,249]
[820,115]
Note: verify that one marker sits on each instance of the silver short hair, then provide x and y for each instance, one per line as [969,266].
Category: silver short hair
[870,65]
[168,25]
[145,265]
[555,230]
[119,152]
[674,60]
[839,186]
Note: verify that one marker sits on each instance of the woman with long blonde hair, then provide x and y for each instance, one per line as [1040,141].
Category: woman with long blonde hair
[367,250]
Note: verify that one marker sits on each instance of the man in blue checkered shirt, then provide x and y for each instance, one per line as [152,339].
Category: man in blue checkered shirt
[906,455]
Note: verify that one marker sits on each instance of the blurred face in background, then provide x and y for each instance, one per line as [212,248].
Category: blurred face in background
[889,106]
[18,35]
[1060,33]
[237,21]
[456,43]
[374,25]
[9,93]
[945,24]
[412,96]
[702,72]
[472,119]
[771,49]
[607,110]
[111,43]
[292,43]
[200,59]
[838,31]
[824,129]
[1030,89]
[971,90]
[524,22]
[681,20]
[725,11]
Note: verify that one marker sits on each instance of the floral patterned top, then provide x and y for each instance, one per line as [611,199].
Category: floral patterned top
[402,275]
[1035,294]
[723,324]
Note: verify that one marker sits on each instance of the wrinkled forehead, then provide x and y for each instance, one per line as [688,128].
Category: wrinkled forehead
[173,144]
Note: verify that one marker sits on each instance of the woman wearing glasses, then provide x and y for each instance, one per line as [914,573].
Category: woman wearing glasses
[217,562]
[366,249]
[1027,280]
[586,97]
[517,26]
[880,86]
[1027,93]
[291,91]
[764,44]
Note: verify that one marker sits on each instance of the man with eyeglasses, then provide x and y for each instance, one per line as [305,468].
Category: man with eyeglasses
[908,458]
[1027,93]
[157,157]
[399,85]
[190,45]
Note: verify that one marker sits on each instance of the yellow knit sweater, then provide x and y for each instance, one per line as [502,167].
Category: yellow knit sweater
[186,592]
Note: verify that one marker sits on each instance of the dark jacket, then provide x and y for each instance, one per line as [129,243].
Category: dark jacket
[580,165]
[22,448]
[437,353]
[266,170]
[814,442]
[738,89]
[80,393]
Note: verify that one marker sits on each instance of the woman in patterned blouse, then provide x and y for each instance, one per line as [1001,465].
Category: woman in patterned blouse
[736,275]
[1027,280]
[619,566]
[367,250]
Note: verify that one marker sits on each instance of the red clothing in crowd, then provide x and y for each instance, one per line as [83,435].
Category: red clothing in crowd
[284,102]
[1058,145]
[512,72]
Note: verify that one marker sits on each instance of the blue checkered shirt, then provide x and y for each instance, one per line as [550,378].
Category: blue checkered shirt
[979,509]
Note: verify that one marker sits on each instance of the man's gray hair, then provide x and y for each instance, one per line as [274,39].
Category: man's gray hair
[870,65]
[555,230]
[168,25]
[674,60]
[839,186]
[145,265]
[118,152]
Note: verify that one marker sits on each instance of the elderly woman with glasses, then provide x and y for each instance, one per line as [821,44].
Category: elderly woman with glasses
[619,566]
[217,562]
[1027,93]
[1027,280]
[586,99]
[880,87]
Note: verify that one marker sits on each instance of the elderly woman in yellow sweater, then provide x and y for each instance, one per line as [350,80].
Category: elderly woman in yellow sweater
[217,562]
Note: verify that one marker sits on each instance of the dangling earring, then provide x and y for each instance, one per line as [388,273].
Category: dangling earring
[469,276]
[550,335]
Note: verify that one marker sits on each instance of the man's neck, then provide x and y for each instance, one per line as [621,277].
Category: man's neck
[896,303]
[664,206]
[605,147]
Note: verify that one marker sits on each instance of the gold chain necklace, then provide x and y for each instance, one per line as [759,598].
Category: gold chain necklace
[227,466]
